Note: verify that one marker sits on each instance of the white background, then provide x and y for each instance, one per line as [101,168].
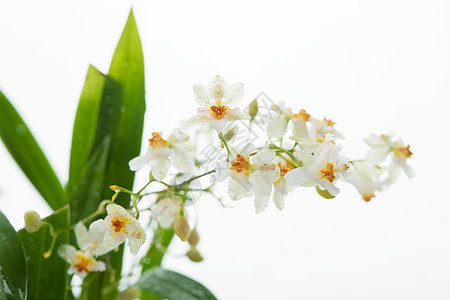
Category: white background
[371,66]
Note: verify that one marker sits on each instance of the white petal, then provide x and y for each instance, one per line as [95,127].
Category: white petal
[235,190]
[99,226]
[159,168]
[82,236]
[114,208]
[279,193]
[331,188]
[138,163]
[234,94]
[261,203]
[182,160]
[261,186]
[202,95]
[276,127]
[68,253]
[98,266]
[297,177]
[377,155]
[264,156]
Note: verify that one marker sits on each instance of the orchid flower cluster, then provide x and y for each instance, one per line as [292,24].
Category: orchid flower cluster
[297,150]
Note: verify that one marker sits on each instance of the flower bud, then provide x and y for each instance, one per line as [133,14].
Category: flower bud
[253,109]
[193,238]
[181,226]
[194,255]
[32,221]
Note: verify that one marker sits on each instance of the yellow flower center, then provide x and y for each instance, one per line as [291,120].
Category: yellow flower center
[327,172]
[219,112]
[156,139]
[329,122]
[302,115]
[403,151]
[119,224]
[241,164]
[84,263]
[367,196]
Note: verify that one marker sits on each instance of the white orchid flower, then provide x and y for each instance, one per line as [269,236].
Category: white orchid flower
[277,125]
[165,211]
[90,241]
[215,100]
[118,226]
[249,175]
[322,168]
[161,153]
[381,147]
[81,262]
[366,177]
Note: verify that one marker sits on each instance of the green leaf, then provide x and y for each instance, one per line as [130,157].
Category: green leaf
[13,271]
[87,194]
[155,254]
[127,69]
[28,155]
[85,125]
[47,278]
[324,193]
[172,285]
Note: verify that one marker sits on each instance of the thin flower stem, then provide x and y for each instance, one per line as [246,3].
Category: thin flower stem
[290,154]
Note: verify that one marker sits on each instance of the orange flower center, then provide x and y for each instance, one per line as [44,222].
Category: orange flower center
[119,224]
[241,164]
[302,115]
[284,168]
[403,151]
[327,172]
[84,263]
[219,112]
[156,139]
[329,122]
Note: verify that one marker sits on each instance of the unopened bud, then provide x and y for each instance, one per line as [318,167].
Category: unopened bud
[253,109]
[181,226]
[115,188]
[230,134]
[194,238]
[194,255]
[129,294]
[32,221]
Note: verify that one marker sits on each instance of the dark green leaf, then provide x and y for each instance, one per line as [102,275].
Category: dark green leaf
[173,286]
[87,194]
[85,124]
[13,271]
[47,278]
[127,69]
[324,193]
[155,254]
[28,155]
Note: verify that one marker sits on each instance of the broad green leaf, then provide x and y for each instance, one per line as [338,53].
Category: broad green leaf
[13,270]
[47,278]
[28,155]
[87,194]
[155,254]
[85,124]
[127,69]
[173,286]
[324,193]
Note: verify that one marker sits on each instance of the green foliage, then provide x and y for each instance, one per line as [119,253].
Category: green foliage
[111,108]
[13,271]
[47,277]
[155,254]
[172,285]
[28,155]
